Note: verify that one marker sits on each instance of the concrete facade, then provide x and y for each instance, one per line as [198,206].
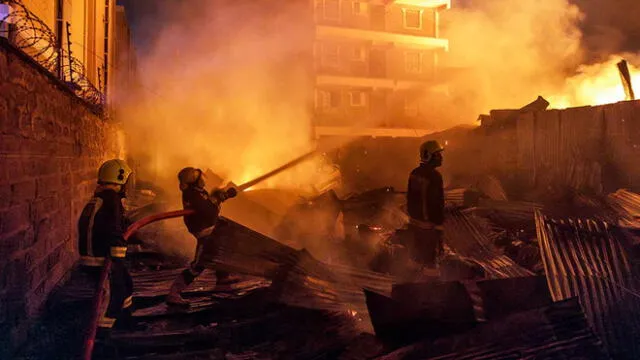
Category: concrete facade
[375,64]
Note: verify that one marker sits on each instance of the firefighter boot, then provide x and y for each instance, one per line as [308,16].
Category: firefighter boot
[174,297]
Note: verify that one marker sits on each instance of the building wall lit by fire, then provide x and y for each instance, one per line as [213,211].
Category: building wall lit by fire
[376,66]
[86,30]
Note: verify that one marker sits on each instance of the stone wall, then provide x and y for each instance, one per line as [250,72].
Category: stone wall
[51,144]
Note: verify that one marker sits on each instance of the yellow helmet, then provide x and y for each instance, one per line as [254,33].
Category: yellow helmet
[428,148]
[114,171]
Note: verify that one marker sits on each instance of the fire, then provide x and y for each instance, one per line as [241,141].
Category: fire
[231,97]
[597,84]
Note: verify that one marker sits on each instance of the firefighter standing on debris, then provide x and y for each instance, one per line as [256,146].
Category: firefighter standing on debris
[425,205]
[204,224]
[100,231]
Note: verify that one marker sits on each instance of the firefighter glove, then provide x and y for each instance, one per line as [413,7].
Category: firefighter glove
[231,193]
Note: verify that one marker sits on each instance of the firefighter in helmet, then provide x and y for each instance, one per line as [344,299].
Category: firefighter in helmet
[205,224]
[425,205]
[100,233]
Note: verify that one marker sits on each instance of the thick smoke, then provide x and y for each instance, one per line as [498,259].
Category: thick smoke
[609,28]
[227,88]
[508,52]
[224,89]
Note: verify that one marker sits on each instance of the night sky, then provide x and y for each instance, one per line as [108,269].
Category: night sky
[609,26]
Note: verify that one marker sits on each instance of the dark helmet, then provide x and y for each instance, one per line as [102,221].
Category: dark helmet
[428,149]
[189,176]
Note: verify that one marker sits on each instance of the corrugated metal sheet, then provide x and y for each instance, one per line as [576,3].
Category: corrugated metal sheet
[525,148]
[492,187]
[467,236]
[558,331]
[627,205]
[585,258]
[547,147]
[623,140]
[298,279]
[505,212]
[580,129]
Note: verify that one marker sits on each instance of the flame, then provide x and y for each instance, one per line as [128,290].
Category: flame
[596,84]
[235,109]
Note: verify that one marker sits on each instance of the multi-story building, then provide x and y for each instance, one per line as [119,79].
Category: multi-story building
[85,29]
[125,62]
[376,66]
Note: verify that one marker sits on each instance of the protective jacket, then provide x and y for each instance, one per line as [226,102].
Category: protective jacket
[205,224]
[425,196]
[100,229]
[207,210]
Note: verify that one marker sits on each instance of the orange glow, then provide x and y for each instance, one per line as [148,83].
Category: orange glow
[597,84]
[231,97]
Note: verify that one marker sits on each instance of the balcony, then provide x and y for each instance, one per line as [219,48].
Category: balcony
[380,37]
[349,131]
[369,82]
[421,3]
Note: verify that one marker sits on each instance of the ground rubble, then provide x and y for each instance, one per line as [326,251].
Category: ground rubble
[552,280]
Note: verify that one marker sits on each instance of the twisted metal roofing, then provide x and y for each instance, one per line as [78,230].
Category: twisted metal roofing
[588,258]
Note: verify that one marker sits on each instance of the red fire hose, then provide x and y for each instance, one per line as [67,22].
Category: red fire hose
[93,325]
[95,316]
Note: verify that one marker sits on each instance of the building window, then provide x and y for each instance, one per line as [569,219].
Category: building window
[357,8]
[410,107]
[330,55]
[358,53]
[413,62]
[412,19]
[358,98]
[327,99]
[331,9]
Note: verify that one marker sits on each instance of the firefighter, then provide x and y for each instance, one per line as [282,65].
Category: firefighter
[100,233]
[205,225]
[425,205]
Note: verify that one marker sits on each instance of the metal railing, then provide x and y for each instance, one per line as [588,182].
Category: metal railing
[24,30]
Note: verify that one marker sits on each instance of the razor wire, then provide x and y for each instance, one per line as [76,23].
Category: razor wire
[27,32]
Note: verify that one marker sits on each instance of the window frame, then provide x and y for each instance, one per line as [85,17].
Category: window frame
[411,108]
[362,98]
[324,97]
[421,19]
[324,58]
[324,10]
[360,50]
[357,4]
[420,60]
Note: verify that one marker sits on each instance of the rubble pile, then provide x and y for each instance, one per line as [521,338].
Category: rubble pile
[515,282]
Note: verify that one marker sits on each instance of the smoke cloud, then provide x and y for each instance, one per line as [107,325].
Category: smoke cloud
[609,28]
[508,52]
[225,90]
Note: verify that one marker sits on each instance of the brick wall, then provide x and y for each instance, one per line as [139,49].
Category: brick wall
[50,146]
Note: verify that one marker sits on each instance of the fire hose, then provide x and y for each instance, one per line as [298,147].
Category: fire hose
[99,296]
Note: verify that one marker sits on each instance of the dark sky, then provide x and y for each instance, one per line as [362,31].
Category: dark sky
[610,26]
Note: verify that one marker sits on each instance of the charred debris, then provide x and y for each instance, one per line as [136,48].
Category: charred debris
[526,274]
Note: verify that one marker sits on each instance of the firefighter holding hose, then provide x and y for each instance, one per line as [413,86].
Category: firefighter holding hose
[205,224]
[425,205]
[100,233]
